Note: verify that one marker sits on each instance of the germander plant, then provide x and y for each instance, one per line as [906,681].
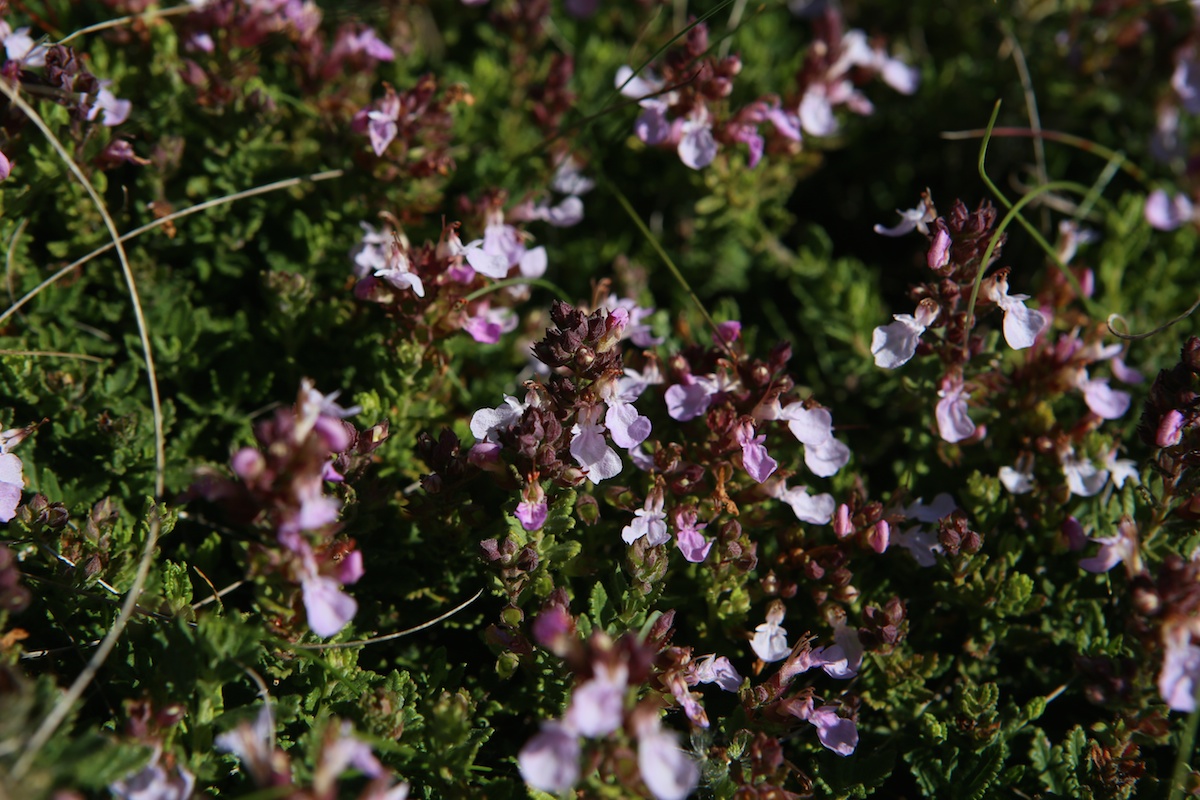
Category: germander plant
[526,399]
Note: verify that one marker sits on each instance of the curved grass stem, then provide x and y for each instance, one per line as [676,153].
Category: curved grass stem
[149,226]
[1091,308]
[63,707]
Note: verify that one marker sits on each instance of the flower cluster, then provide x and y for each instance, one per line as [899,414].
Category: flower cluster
[410,130]
[282,485]
[60,74]
[607,672]
[253,743]
[426,286]
[835,65]
[686,108]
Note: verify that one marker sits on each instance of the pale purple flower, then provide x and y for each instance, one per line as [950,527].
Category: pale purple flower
[1120,469]
[942,506]
[1104,401]
[631,385]
[823,454]
[727,332]
[921,544]
[637,330]
[254,745]
[487,324]
[590,449]
[639,86]
[12,483]
[1113,549]
[19,46]
[894,344]
[486,423]
[625,425]
[154,782]
[668,771]
[382,122]
[690,399]
[718,670]
[1180,673]
[564,214]
[549,762]
[5,167]
[834,732]
[1185,80]
[1021,324]
[363,43]
[114,111]
[652,126]
[697,147]
[1083,477]
[816,112]
[1125,373]
[598,704]
[1170,429]
[533,509]
[688,538]
[815,510]
[327,607]
[954,425]
[754,453]
[770,639]
[568,179]
[939,250]
[650,521]
[342,753]
[1016,481]
[1166,213]
[913,219]
[491,264]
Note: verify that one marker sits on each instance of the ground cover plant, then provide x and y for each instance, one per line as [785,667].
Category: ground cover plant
[599,399]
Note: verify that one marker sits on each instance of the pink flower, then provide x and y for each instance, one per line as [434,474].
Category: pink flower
[5,167]
[688,538]
[532,510]
[754,453]
[487,324]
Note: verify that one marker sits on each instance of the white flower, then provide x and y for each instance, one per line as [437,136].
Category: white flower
[894,344]
[1021,324]
[770,639]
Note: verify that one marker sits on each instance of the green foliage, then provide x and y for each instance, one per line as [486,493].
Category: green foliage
[999,636]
